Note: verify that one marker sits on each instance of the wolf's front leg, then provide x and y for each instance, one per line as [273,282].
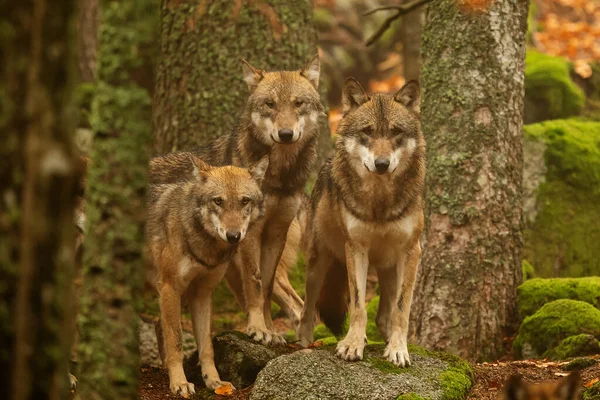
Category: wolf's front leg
[200,303]
[170,318]
[396,350]
[357,261]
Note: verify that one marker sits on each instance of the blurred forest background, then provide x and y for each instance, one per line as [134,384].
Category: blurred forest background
[147,66]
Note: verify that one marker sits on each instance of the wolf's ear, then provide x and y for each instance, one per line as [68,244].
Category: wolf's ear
[353,95]
[312,71]
[200,167]
[410,96]
[252,76]
[568,388]
[515,389]
[259,169]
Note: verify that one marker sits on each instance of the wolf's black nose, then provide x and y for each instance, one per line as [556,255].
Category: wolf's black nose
[382,164]
[233,236]
[286,135]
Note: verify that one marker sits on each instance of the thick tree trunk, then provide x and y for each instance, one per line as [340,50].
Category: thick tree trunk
[113,258]
[410,31]
[199,88]
[87,40]
[38,175]
[472,113]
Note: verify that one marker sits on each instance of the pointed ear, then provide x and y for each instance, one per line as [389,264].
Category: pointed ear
[353,95]
[312,71]
[200,167]
[515,389]
[259,169]
[568,388]
[410,96]
[252,76]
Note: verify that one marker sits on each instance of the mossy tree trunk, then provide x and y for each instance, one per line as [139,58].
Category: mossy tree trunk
[113,258]
[200,93]
[472,113]
[38,175]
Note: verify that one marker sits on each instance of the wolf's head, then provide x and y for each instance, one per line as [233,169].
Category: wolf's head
[381,133]
[565,389]
[228,200]
[284,106]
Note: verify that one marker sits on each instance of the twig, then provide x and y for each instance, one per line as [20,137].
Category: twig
[400,10]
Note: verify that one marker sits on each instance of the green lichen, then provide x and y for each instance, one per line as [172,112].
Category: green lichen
[555,322]
[574,346]
[534,293]
[528,271]
[549,91]
[562,240]
[592,393]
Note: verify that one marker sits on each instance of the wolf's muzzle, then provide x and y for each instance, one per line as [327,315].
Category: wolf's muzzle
[382,165]
[233,237]
[286,135]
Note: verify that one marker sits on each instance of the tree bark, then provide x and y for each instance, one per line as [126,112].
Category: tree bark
[472,113]
[410,31]
[200,92]
[87,41]
[38,175]
[113,255]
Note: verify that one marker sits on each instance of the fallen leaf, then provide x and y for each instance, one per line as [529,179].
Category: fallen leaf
[592,383]
[318,343]
[583,69]
[561,373]
[224,390]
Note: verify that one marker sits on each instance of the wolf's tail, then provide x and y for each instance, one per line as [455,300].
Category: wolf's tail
[333,300]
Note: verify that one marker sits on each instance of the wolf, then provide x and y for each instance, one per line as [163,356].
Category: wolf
[193,230]
[565,389]
[280,119]
[367,209]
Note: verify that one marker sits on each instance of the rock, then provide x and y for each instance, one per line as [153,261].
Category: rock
[319,374]
[575,346]
[579,364]
[239,359]
[534,293]
[554,322]
[561,197]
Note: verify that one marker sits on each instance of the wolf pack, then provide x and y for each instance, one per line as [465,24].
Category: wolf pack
[236,209]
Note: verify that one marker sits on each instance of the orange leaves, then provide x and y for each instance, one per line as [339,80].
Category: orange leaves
[591,383]
[224,390]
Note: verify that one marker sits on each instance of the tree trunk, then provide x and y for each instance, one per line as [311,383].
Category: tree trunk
[87,40]
[472,113]
[200,92]
[410,31]
[113,255]
[38,175]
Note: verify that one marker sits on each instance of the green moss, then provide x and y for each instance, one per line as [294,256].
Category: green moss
[410,396]
[574,346]
[579,364]
[373,333]
[592,393]
[549,91]
[528,271]
[555,322]
[297,275]
[385,366]
[534,293]
[321,331]
[565,231]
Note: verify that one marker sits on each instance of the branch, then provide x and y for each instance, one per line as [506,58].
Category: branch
[400,10]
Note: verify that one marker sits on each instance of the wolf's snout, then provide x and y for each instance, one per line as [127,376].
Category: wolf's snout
[382,164]
[286,135]
[233,237]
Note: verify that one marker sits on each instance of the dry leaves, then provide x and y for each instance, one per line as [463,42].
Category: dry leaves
[224,390]
[591,383]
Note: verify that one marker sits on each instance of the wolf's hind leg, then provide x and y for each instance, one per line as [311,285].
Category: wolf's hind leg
[396,350]
[200,302]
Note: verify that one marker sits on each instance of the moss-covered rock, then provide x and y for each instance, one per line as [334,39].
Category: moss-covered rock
[575,346]
[579,364]
[553,323]
[550,93]
[534,293]
[562,194]
[528,270]
[432,376]
[592,393]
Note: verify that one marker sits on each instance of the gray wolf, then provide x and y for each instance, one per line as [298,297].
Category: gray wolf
[280,119]
[367,210]
[565,389]
[193,231]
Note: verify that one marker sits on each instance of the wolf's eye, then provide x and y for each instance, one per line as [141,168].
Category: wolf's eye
[270,103]
[218,201]
[298,103]
[367,131]
[245,200]
[397,131]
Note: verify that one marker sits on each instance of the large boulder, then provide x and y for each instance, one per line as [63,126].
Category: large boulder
[561,197]
[318,374]
[575,346]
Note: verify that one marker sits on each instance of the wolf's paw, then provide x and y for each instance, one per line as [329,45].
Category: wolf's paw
[184,389]
[304,333]
[73,381]
[213,384]
[397,355]
[261,335]
[351,348]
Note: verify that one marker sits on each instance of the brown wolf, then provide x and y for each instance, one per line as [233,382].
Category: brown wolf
[280,119]
[367,209]
[565,389]
[193,231]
